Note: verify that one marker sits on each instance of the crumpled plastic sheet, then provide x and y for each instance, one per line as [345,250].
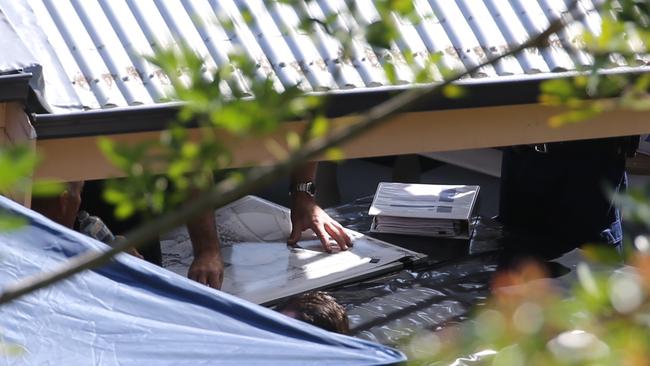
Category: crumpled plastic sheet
[435,293]
[392,308]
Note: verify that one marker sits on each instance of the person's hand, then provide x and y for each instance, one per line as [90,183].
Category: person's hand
[207,269]
[134,252]
[306,214]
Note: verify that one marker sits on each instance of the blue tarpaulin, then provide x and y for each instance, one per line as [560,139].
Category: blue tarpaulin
[131,312]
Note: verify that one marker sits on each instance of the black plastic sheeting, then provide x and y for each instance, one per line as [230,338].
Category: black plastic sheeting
[390,309]
[439,291]
[433,293]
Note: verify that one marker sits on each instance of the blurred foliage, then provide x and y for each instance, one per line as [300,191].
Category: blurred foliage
[17,162]
[606,318]
[16,165]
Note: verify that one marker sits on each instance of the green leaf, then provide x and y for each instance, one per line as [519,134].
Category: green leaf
[380,34]
[114,196]
[587,280]
[572,117]
[109,149]
[319,127]
[334,154]
[47,188]
[453,91]
[391,73]
[423,75]
[16,163]
[190,150]
[601,254]
[10,222]
[124,210]
[179,168]
[293,140]
[402,7]
[247,15]
[559,87]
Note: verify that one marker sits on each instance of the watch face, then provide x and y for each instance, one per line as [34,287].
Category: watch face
[311,187]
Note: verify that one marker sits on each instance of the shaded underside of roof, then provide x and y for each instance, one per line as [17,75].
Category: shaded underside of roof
[96,47]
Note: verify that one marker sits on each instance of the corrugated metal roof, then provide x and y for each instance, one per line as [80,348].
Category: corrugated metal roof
[99,44]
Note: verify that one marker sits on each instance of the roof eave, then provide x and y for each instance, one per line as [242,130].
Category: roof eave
[157,117]
[478,93]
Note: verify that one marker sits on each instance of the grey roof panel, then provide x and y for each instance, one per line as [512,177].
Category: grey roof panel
[92,51]
[19,63]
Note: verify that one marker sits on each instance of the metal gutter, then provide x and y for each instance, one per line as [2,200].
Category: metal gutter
[14,87]
[105,122]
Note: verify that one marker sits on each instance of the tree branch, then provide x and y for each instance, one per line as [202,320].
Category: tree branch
[228,190]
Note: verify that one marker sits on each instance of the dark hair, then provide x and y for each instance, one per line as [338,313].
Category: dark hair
[317,308]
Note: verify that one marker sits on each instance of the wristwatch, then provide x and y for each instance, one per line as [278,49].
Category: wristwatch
[306,187]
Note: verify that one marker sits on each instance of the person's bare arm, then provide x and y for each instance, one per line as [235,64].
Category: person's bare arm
[207,267]
[306,214]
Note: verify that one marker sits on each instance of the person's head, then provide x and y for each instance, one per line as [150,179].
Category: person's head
[63,208]
[317,308]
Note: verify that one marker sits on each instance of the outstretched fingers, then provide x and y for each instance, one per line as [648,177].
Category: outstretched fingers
[323,236]
[337,234]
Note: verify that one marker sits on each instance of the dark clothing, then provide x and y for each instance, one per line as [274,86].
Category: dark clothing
[91,200]
[561,197]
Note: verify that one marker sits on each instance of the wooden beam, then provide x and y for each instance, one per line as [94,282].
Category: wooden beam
[79,158]
[17,129]
[3,114]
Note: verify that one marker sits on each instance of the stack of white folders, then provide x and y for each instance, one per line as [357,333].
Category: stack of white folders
[424,209]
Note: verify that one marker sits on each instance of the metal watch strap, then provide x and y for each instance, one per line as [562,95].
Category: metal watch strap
[306,187]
